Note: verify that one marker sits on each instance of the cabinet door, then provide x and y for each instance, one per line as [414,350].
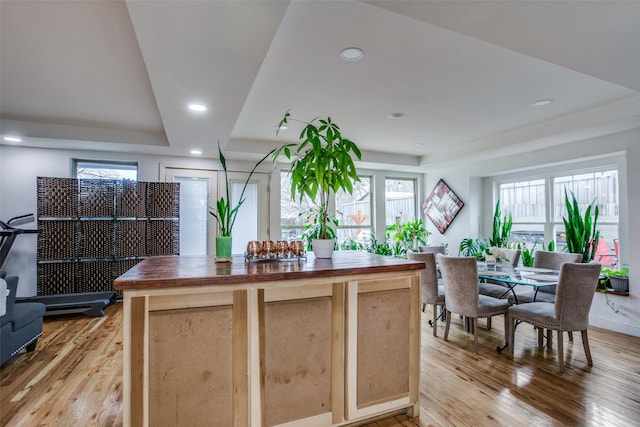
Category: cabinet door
[383,345]
[301,355]
[181,350]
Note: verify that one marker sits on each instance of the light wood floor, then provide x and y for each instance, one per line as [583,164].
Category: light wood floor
[74,378]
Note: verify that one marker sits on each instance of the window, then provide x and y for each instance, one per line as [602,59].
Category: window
[400,200]
[600,188]
[534,223]
[360,214]
[292,218]
[98,169]
[525,200]
[354,212]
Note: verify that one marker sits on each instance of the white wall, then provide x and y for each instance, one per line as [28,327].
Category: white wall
[621,149]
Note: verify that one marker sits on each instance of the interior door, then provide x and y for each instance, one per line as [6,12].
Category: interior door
[197,195]
[252,222]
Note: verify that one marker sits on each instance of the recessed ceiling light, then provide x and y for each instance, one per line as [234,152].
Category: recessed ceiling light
[351,54]
[395,115]
[12,139]
[542,102]
[282,127]
[196,152]
[199,108]
[417,144]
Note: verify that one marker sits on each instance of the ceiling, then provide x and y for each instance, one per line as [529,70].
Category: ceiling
[118,75]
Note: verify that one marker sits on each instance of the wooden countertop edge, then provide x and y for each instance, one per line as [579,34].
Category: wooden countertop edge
[124,283]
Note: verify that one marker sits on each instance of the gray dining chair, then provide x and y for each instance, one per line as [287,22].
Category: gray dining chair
[432,293]
[460,277]
[569,312]
[439,249]
[551,261]
[496,288]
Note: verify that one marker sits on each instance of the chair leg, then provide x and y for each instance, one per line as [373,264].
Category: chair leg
[424,305]
[549,338]
[585,344]
[570,336]
[560,351]
[488,323]
[435,320]
[474,323]
[447,323]
[507,333]
[540,337]
[512,331]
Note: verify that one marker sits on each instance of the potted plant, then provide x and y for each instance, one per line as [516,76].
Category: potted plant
[225,214]
[501,228]
[409,235]
[322,163]
[474,247]
[616,279]
[581,232]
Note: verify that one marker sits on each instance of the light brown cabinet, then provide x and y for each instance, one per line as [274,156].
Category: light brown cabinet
[313,351]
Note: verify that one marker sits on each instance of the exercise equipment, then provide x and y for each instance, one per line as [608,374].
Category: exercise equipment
[90,303]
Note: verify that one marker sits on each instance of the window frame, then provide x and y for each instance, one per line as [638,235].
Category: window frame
[549,175]
[133,165]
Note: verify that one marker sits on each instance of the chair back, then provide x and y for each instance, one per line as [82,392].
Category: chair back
[460,277]
[514,256]
[574,294]
[553,260]
[432,249]
[428,277]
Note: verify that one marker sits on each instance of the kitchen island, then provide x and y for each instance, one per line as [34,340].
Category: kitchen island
[314,342]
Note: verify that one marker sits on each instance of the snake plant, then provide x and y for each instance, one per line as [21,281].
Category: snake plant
[581,232]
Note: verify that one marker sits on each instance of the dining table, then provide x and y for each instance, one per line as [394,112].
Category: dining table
[511,277]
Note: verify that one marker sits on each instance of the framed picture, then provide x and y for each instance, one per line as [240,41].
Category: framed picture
[441,206]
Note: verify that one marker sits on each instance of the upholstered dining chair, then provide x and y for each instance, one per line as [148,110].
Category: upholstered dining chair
[431,292]
[433,249]
[460,277]
[569,312]
[551,261]
[495,288]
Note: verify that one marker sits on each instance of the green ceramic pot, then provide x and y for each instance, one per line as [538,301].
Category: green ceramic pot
[223,249]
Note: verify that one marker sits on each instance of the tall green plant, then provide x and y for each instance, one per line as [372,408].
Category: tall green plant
[322,163]
[581,232]
[224,213]
[501,228]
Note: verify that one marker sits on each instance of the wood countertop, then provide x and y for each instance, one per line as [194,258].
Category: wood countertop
[172,271]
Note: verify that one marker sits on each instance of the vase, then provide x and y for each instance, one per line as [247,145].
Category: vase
[323,248]
[223,249]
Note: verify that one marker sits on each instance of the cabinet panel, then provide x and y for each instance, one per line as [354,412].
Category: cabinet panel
[383,345]
[302,355]
[190,366]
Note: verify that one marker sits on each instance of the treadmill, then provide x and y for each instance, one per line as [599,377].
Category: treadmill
[91,304]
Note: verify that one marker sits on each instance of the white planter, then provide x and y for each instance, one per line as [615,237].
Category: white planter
[323,248]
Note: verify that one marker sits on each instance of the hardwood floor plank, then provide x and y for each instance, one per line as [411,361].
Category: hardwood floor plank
[74,378]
